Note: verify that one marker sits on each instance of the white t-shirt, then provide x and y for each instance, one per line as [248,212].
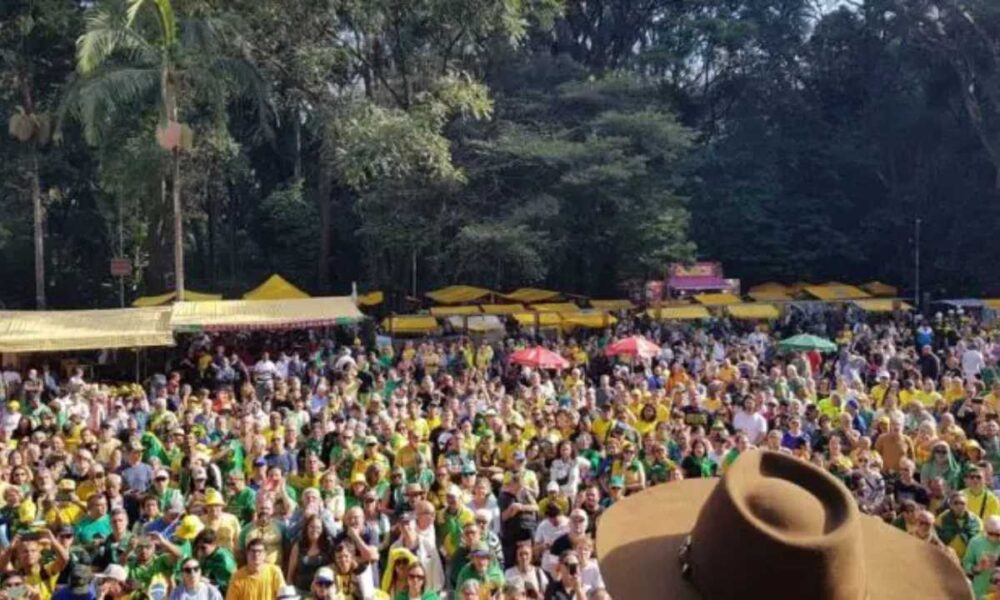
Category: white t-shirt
[752,424]
[972,362]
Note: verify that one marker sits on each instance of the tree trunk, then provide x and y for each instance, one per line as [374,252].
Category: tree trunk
[178,226]
[39,234]
[323,195]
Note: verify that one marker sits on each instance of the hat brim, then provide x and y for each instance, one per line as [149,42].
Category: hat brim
[639,540]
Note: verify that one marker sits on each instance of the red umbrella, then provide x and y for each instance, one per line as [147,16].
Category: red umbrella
[539,358]
[634,345]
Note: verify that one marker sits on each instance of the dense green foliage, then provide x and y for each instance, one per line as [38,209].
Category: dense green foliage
[497,142]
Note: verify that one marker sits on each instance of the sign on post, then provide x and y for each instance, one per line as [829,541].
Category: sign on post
[121,267]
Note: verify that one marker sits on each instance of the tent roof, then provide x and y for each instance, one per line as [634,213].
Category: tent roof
[612,304]
[226,315]
[160,300]
[447,311]
[770,294]
[836,292]
[678,313]
[877,288]
[544,319]
[753,310]
[591,319]
[57,331]
[459,294]
[275,288]
[770,286]
[717,299]
[404,324]
[530,295]
[476,323]
[560,307]
[503,309]
[371,298]
[882,305]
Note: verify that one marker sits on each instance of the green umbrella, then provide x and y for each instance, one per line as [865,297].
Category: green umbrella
[802,342]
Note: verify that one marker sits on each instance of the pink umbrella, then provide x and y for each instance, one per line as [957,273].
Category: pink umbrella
[634,345]
[539,358]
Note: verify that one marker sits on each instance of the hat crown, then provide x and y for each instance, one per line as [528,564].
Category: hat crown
[778,523]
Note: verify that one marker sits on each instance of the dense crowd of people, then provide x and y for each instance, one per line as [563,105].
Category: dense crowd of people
[284,467]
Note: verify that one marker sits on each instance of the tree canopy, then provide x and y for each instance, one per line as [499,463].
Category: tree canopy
[559,143]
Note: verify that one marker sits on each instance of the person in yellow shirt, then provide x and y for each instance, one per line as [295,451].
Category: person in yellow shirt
[258,580]
[225,525]
[980,500]
[67,508]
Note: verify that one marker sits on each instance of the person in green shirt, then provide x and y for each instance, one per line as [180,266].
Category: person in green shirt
[242,499]
[144,563]
[162,490]
[981,556]
[96,524]
[217,563]
[482,569]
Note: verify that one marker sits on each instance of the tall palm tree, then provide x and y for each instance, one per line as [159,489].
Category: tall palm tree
[139,54]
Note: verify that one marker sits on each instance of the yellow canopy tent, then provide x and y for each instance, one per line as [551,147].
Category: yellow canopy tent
[769,295]
[612,304]
[448,311]
[717,299]
[502,309]
[881,305]
[476,323]
[531,295]
[836,292]
[557,307]
[162,299]
[459,294]
[227,315]
[753,310]
[769,286]
[275,288]
[371,299]
[592,319]
[63,330]
[678,313]
[542,319]
[410,324]
[883,290]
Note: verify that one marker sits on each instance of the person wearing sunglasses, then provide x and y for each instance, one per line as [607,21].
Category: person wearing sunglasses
[416,578]
[192,586]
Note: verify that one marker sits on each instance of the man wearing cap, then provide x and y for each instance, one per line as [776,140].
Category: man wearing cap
[553,497]
[217,564]
[322,587]
[111,583]
[451,519]
[163,491]
[80,585]
[67,508]
[144,563]
[482,568]
[225,525]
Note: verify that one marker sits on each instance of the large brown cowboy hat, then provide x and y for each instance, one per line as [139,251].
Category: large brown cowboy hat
[773,527]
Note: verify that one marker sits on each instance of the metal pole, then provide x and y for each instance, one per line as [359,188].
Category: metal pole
[916,264]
